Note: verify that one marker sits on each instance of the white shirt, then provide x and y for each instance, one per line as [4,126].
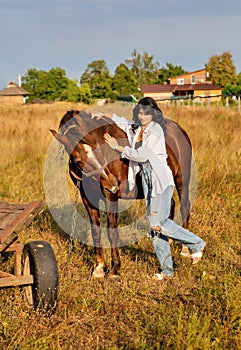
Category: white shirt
[153,149]
[125,125]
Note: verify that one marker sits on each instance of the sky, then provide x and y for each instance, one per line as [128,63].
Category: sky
[71,34]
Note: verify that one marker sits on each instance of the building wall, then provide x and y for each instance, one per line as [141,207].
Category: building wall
[158,95]
[191,78]
[12,100]
[206,93]
[202,93]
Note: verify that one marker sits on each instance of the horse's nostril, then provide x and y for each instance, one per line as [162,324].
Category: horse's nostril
[113,189]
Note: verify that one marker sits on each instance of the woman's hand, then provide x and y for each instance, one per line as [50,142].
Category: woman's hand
[97,115]
[112,142]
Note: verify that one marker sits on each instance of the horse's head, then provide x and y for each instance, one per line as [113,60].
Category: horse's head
[81,138]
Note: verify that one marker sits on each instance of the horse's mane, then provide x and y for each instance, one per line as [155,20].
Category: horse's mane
[102,120]
[80,124]
[91,121]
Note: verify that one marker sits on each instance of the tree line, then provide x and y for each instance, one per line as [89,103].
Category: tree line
[97,83]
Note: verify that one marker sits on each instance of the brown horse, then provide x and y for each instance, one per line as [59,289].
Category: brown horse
[101,174]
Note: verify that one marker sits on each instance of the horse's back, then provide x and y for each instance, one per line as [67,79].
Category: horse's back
[179,150]
[177,139]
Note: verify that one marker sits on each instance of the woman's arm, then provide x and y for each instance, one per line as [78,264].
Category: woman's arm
[139,155]
[112,143]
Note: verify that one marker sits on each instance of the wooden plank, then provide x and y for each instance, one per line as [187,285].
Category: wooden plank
[16,281]
[8,241]
[18,259]
[9,212]
[5,274]
[22,220]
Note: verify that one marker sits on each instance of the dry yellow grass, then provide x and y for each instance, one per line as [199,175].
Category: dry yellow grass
[199,309]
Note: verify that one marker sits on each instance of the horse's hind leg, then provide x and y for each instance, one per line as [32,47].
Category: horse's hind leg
[185,213]
[183,194]
[171,215]
[172,211]
[115,263]
[185,206]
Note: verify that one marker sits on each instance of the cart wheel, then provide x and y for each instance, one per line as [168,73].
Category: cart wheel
[40,261]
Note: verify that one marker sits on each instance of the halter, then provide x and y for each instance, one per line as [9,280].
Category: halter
[89,173]
[86,173]
[95,172]
[68,128]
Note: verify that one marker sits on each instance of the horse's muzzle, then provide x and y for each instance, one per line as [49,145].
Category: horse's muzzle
[109,182]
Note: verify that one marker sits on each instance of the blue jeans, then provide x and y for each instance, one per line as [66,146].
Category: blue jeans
[158,210]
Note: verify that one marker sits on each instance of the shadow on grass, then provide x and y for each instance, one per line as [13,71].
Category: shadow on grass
[135,251]
[142,250]
[75,246]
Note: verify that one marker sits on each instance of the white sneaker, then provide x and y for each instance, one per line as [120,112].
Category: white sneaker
[160,277]
[196,257]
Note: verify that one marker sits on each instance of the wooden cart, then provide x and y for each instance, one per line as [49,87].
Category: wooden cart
[35,267]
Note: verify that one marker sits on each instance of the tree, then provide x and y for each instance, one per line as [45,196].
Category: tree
[71,92]
[52,85]
[56,82]
[221,69]
[144,68]
[233,89]
[98,77]
[123,81]
[31,82]
[169,71]
[85,94]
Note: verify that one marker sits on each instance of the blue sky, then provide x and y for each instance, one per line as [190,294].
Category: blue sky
[72,33]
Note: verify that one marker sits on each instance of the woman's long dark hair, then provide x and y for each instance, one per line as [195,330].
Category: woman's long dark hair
[149,106]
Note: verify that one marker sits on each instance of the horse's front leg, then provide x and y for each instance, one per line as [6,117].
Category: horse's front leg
[94,216]
[113,235]
[99,270]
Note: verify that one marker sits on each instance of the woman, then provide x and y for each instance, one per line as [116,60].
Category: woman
[149,150]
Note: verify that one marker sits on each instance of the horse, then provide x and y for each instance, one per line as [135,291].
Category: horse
[101,174]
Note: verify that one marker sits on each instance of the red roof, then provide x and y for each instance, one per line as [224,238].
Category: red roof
[157,88]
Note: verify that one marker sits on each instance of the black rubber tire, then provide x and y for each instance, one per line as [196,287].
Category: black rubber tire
[39,260]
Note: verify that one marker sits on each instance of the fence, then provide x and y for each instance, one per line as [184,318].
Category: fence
[220,101]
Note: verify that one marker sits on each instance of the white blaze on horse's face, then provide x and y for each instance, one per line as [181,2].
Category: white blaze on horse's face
[91,158]
[108,180]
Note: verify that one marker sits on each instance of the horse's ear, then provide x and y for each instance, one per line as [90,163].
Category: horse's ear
[61,138]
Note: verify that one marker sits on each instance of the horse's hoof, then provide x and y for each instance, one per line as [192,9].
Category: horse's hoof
[185,252]
[98,272]
[98,275]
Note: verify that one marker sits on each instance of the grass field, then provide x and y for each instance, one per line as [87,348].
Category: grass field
[199,309]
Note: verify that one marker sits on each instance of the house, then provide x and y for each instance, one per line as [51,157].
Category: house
[196,77]
[13,94]
[189,85]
